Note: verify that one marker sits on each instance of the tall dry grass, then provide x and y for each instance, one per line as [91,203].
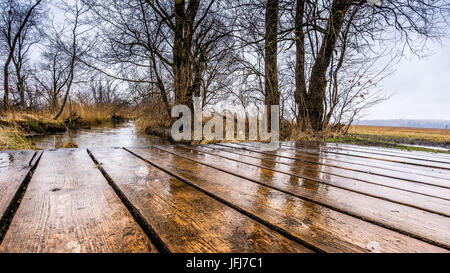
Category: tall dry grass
[97,114]
[90,115]
[12,138]
[152,116]
[38,116]
[152,119]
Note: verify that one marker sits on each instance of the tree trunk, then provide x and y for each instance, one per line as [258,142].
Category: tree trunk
[20,82]
[300,81]
[182,59]
[318,81]
[6,84]
[271,92]
[63,104]
[179,58]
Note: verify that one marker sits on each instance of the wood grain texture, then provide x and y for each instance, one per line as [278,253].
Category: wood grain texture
[325,228]
[380,150]
[429,164]
[14,168]
[425,159]
[186,219]
[363,166]
[439,170]
[69,207]
[431,186]
[389,150]
[413,221]
[378,190]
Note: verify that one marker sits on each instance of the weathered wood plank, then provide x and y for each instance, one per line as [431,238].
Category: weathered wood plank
[427,163]
[186,219]
[418,223]
[14,168]
[373,154]
[432,204]
[424,175]
[336,175]
[427,166]
[382,150]
[69,207]
[325,228]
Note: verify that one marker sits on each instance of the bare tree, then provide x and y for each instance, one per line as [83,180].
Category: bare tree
[75,45]
[15,17]
[104,91]
[325,30]
[170,47]
[272,94]
[53,72]
[30,35]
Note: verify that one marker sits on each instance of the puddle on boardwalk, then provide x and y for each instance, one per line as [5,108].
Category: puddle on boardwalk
[5,160]
[109,135]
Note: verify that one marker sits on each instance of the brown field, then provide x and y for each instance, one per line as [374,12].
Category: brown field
[402,133]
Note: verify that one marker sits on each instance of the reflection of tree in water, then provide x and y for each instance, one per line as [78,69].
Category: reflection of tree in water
[293,206]
[239,233]
[311,188]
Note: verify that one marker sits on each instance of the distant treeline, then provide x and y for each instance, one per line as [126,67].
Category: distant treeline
[411,123]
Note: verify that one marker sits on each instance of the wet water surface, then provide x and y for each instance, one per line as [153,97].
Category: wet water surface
[107,135]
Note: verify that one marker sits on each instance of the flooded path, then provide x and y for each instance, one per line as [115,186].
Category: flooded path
[123,192]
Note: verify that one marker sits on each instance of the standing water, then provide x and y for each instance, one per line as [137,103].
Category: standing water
[107,135]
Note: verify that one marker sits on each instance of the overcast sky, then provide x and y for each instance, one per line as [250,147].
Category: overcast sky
[420,88]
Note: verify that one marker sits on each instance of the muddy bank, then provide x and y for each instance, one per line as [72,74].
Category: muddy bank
[31,128]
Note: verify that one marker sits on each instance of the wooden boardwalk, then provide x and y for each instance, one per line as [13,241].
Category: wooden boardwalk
[225,198]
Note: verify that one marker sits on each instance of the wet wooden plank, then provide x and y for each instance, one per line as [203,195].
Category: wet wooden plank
[186,219]
[424,175]
[325,228]
[359,160]
[412,170]
[386,151]
[426,159]
[14,168]
[418,223]
[337,174]
[432,164]
[69,207]
[420,201]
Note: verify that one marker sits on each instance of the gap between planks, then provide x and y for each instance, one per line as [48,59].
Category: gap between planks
[14,204]
[437,243]
[346,163]
[329,182]
[246,179]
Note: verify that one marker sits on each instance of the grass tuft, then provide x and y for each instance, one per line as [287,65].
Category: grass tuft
[70,144]
[12,138]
